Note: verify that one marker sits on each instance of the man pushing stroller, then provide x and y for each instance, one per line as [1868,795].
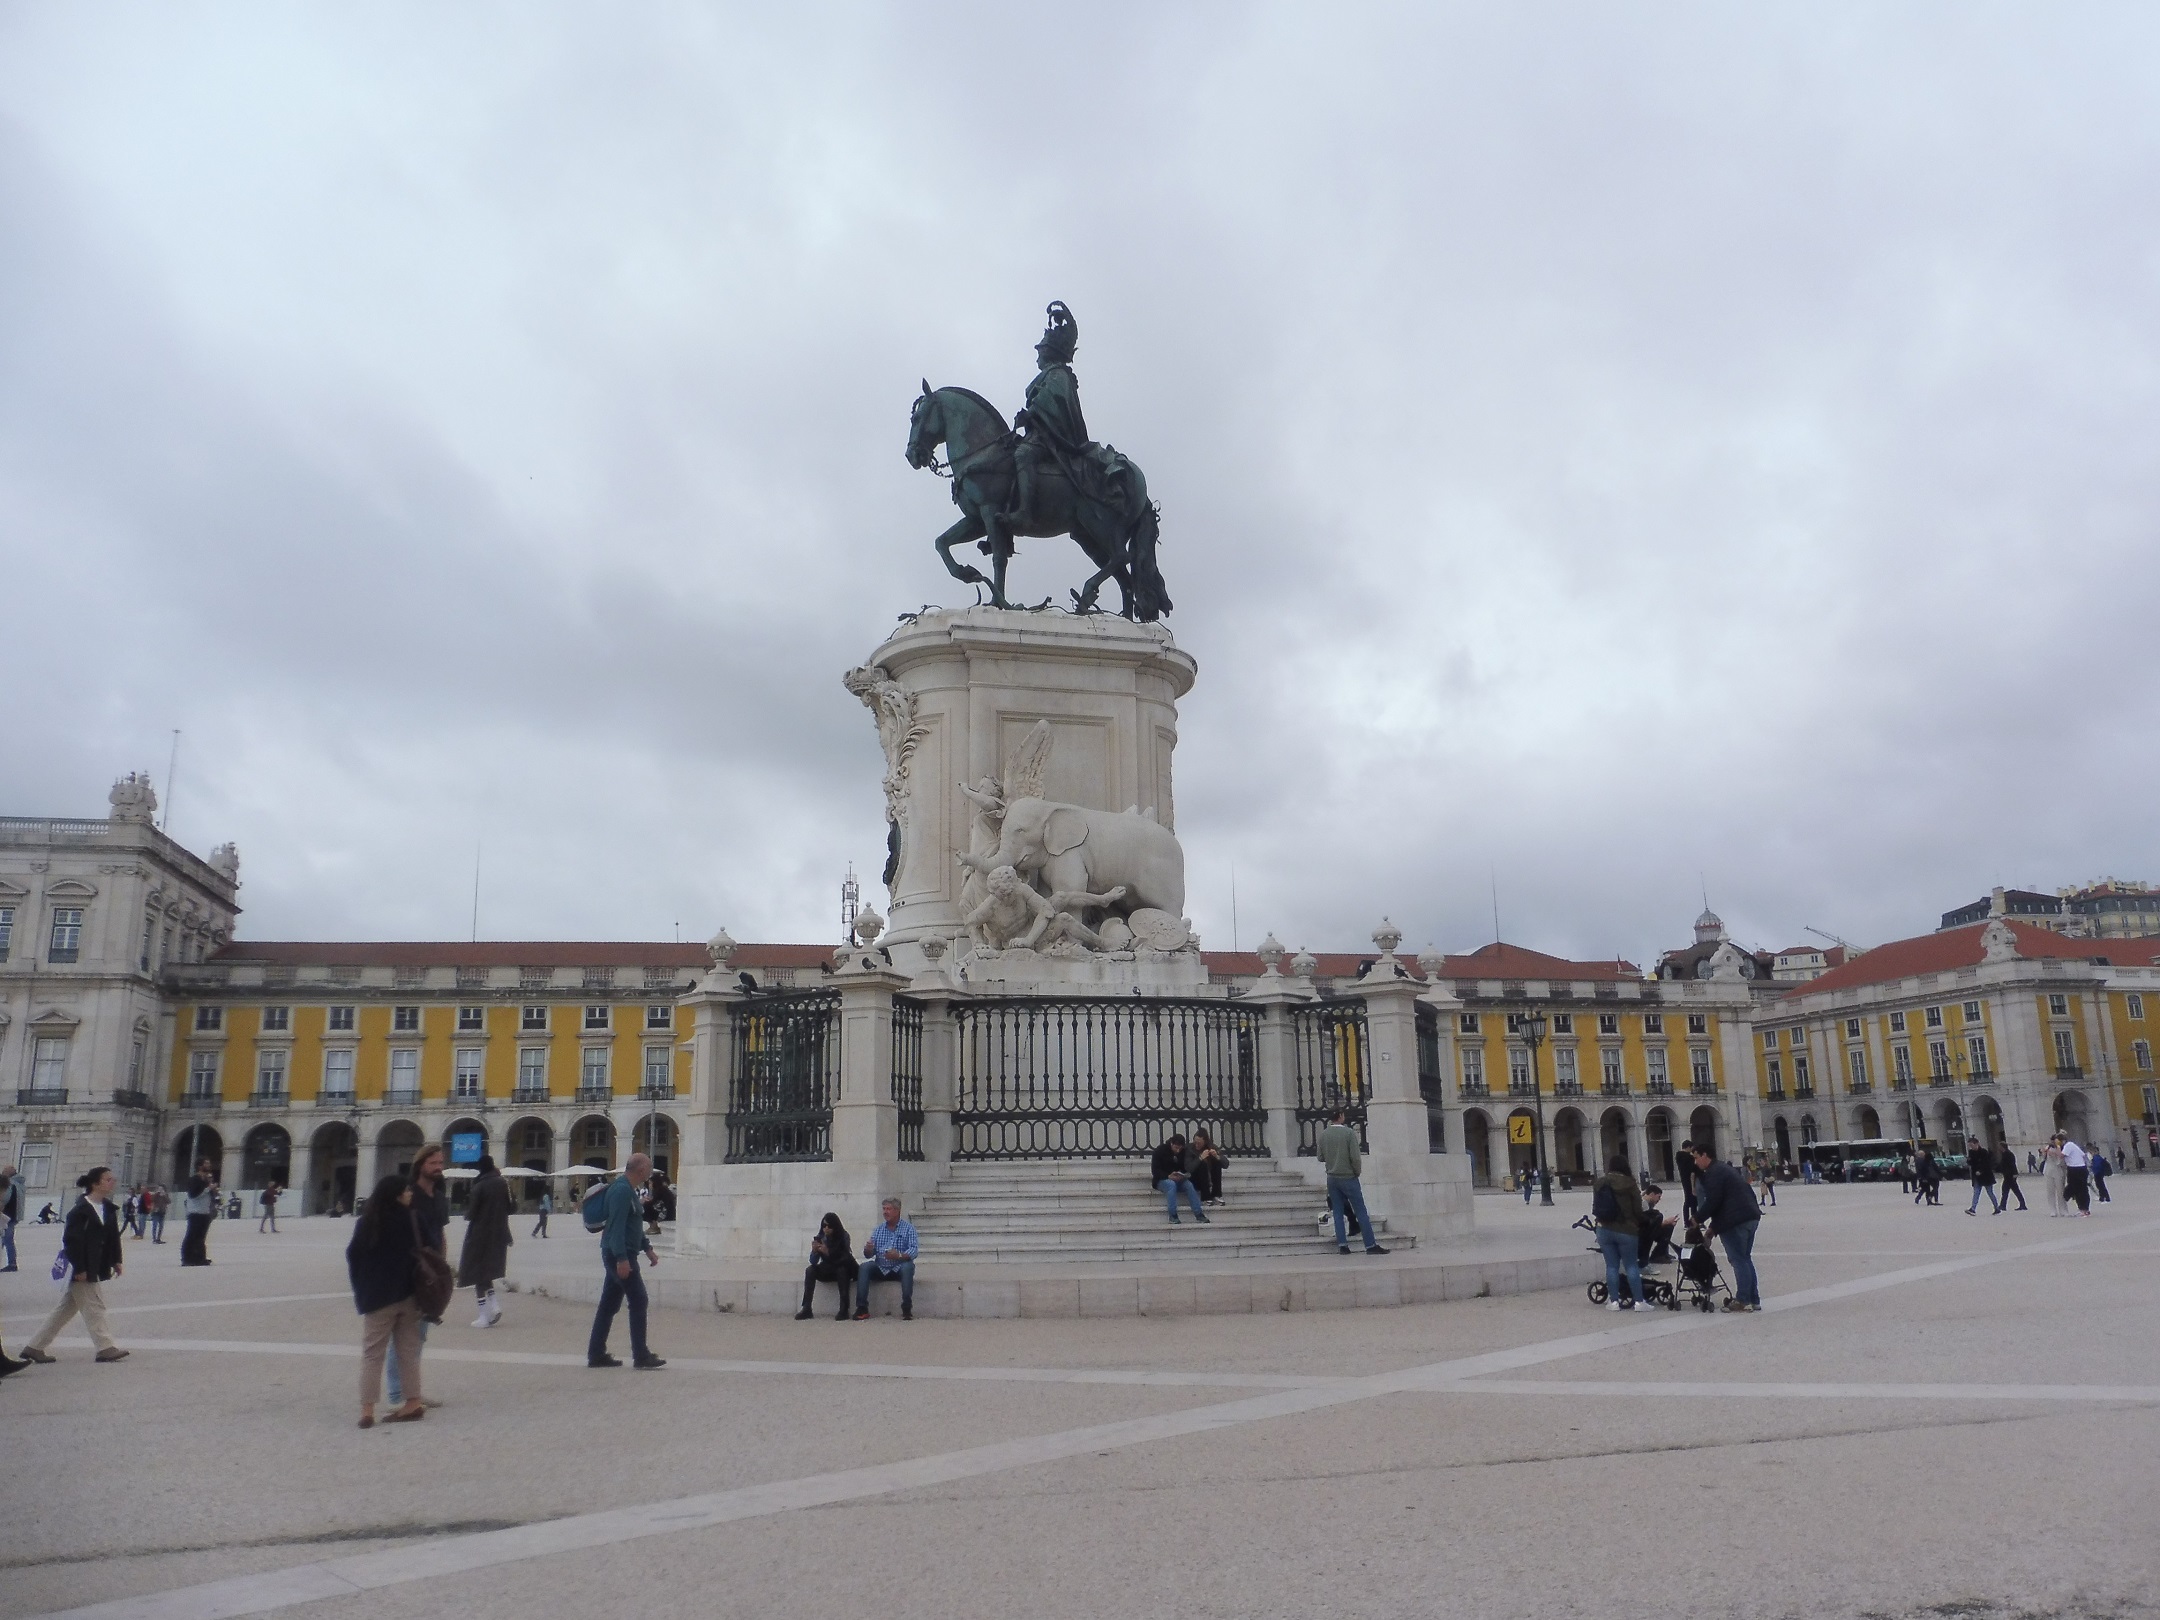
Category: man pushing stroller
[1726,1208]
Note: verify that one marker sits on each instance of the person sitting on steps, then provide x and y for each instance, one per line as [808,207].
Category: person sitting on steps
[1166,1169]
[891,1252]
[832,1259]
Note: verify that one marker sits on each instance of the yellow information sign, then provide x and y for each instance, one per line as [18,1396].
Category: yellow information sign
[1522,1130]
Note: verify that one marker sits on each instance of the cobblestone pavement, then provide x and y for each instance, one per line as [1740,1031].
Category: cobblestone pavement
[1937,1415]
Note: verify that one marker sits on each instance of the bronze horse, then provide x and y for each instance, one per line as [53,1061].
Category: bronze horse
[1119,536]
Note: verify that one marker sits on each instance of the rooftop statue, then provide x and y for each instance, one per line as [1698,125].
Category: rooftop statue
[1042,476]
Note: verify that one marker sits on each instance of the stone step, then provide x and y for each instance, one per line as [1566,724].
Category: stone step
[1290,1201]
[1152,1253]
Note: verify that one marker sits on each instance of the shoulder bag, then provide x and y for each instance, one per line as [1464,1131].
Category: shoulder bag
[433,1282]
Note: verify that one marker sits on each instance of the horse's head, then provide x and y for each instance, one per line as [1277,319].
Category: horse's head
[926,429]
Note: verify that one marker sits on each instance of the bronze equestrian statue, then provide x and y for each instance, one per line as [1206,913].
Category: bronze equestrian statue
[1042,476]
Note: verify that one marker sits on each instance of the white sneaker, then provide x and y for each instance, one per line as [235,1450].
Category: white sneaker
[1612,1304]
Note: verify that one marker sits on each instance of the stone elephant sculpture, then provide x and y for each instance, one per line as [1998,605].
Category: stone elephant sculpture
[1074,850]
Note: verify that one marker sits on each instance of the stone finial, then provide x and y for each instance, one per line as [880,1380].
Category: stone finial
[721,948]
[868,925]
[1998,943]
[934,947]
[1271,955]
[133,799]
[1304,965]
[1387,936]
[226,859]
[1432,964]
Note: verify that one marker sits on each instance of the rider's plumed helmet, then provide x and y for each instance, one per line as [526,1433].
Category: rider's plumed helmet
[1061,336]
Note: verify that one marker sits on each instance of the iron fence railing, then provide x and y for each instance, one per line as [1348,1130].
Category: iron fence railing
[1042,1078]
[786,1071]
[1330,1068]
[907,1072]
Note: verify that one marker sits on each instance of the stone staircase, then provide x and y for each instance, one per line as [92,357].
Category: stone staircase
[1044,1211]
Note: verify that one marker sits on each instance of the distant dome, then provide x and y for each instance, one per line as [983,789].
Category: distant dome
[1708,927]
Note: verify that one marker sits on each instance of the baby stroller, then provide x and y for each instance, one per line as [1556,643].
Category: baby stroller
[1700,1281]
[1656,1290]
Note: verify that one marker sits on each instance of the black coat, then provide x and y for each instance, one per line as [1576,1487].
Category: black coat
[1167,1160]
[380,1262]
[92,1241]
[1726,1200]
[486,1255]
[838,1263]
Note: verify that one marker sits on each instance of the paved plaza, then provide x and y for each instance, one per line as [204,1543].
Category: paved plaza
[1935,1414]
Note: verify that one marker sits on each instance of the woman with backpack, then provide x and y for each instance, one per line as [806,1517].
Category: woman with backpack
[379,1261]
[90,1248]
[1616,1206]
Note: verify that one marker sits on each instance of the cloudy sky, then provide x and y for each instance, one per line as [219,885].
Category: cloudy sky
[1603,451]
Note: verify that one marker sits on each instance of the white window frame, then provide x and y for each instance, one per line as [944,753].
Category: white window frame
[659,1015]
[1933,1018]
[341,1020]
[2065,1049]
[468,1077]
[405,1020]
[1769,1040]
[1473,1063]
[67,932]
[2058,1004]
[1467,1024]
[1564,1065]
[1856,1068]
[1698,1023]
[276,1020]
[1563,1023]
[1655,1066]
[2141,1055]
[202,1076]
[48,1063]
[1976,1053]
[1777,1076]
[532,1074]
[1612,1069]
[1897,1023]
[1699,1065]
[2136,1008]
[7,931]
[533,1018]
[209,1020]
[1653,1023]
[660,1069]
[593,1060]
[271,1064]
[1901,1062]
[1939,1060]
[1971,1011]
[337,1066]
[1803,1077]
[1852,1029]
[597,1020]
[135,1064]
[35,1161]
[471,1020]
[1608,1023]
[404,1061]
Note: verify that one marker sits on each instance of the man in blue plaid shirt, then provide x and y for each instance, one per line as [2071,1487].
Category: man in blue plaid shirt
[890,1253]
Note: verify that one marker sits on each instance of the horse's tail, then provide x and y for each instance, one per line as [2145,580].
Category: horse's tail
[1150,598]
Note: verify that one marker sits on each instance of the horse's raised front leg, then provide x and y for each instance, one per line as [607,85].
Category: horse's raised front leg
[968,528]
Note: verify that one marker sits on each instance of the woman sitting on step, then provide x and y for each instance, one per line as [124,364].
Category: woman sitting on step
[1204,1163]
[832,1259]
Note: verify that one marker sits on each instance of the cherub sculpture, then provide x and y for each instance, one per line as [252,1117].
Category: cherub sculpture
[1023,779]
[1012,915]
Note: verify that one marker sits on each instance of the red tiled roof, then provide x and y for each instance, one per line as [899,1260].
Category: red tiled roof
[1950,948]
[1486,962]
[547,953]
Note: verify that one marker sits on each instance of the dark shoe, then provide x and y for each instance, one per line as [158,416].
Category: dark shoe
[907,1313]
[32,1353]
[603,1360]
[1342,1248]
[650,1364]
[843,1316]
[1202,1219]
[112,1353]
[406,1414]
[367,1421]
[8,1364]
[6,1268]
[1174,1221]
[1374,1248]
[862,1316]
[804,1314]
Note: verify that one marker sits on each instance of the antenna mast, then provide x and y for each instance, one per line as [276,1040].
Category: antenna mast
[850,902]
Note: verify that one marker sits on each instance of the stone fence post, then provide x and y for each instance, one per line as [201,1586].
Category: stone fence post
[1416,1191]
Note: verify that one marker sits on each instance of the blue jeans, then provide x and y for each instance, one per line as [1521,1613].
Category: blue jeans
[1343,1192]
[157,1229]
[612,1294]
[885,1271]
[393,1385]
[1739,1250]
[1623,1252]
[1171,1186]
[1980,1187]
[7,1240]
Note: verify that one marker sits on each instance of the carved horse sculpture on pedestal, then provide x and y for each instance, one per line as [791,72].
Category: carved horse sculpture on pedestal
[1106,511]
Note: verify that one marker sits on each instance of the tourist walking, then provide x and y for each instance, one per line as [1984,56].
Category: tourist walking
[379,1261]
[11,1207]
[1765,1184]
[485,1257]
[547,1208]
[2007,1169]
[1166,1171]
[158,1199]
[1204,1162]
[431,1214]
[622,1240]
[2101,1170]
[2056,1176]
[1730,1214]
[1345,1162]
[2076,1168]
[832,1259]
[1981,1163]
[891,1252]
[1904,1172]
[1616,1207]
[202,1203]
[269,1208]
[91,1246]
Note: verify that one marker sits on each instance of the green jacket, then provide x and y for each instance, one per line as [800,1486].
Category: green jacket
[1339,1150]
[1629,1194]
[623,1238]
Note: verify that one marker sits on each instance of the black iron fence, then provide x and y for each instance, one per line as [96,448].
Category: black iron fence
[907,1028]
[1039,1078]
[1431,1077]
[1332,1068]
[786,1070]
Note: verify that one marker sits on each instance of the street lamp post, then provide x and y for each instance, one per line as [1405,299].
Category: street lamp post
[1531,1027]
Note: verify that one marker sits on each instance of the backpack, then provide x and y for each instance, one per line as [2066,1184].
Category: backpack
[593,1210]
[1604,1204]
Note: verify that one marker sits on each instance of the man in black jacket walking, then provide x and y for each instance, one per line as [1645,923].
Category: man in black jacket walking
[1730,1214]
[93,1254]
[1982,1165]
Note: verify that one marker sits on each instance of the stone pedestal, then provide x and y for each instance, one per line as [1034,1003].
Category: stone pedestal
[957,692]
[1412,1188]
